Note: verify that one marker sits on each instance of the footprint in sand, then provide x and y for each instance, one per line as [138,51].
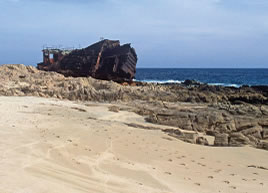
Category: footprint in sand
[217,171]
[170,160]
[187,178]
[87,149]
[261,184]
[244,179]
[198,184]
[232,174]
[210,177]
[255,173]
[226,182]
[183,164]
[201,164]
[233,187]
[169,173]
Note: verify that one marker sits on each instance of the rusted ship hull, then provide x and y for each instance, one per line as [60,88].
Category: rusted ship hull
[106,60]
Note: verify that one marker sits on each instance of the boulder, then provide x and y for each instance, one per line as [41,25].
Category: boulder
[254,141]
[265,133]
[189,137]
[253,131]
[188,82]
[263,145]
[202,141]
[245,123]
[238,139]
[221,139]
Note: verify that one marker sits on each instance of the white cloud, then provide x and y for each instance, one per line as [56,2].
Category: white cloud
[146,23]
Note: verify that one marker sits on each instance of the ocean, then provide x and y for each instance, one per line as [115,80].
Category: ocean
[224,77]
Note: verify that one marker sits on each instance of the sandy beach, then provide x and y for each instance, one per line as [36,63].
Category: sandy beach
[51,145]
[121,96]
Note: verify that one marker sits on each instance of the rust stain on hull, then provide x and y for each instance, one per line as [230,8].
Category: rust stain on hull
[106,60]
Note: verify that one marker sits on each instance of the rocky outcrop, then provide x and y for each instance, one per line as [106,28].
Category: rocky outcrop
[201,108]
[202,141]
[221,139]
[238,139]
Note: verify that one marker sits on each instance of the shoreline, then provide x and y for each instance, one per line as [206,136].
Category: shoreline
[234,116]
[87,135]
[197,83]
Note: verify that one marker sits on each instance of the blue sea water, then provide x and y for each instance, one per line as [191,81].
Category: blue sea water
[225,77]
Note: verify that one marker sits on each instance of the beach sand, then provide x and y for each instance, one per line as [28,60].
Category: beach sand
[55,146]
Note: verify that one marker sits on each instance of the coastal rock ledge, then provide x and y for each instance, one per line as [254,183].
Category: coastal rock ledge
[231,116]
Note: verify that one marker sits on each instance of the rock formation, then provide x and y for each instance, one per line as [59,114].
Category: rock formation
[233,116]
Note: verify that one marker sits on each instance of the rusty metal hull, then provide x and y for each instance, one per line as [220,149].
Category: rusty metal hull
[106,60]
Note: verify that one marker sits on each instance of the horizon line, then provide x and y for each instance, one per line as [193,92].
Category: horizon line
[200,68]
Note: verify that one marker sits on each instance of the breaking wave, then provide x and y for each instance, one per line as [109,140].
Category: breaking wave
[181,81]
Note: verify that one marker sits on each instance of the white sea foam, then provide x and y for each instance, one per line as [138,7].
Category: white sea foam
[224,84]
[161,81]
[180,81]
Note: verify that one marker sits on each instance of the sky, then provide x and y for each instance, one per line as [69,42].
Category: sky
[165,33]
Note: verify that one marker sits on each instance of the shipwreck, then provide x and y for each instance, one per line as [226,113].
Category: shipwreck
[106,60]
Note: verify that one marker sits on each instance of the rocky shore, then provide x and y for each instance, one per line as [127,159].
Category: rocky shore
[231,116]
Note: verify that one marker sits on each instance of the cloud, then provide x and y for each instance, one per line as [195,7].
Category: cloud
[167,28]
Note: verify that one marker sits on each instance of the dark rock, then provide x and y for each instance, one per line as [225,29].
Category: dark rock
[238,139]
[245,123]
[263,145]
[254,141]
[201,141]
[221,139]
[253,131]
[188,82]
[265,133]
[211,133]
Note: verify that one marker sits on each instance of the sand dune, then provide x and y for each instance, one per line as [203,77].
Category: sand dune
[55,146]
